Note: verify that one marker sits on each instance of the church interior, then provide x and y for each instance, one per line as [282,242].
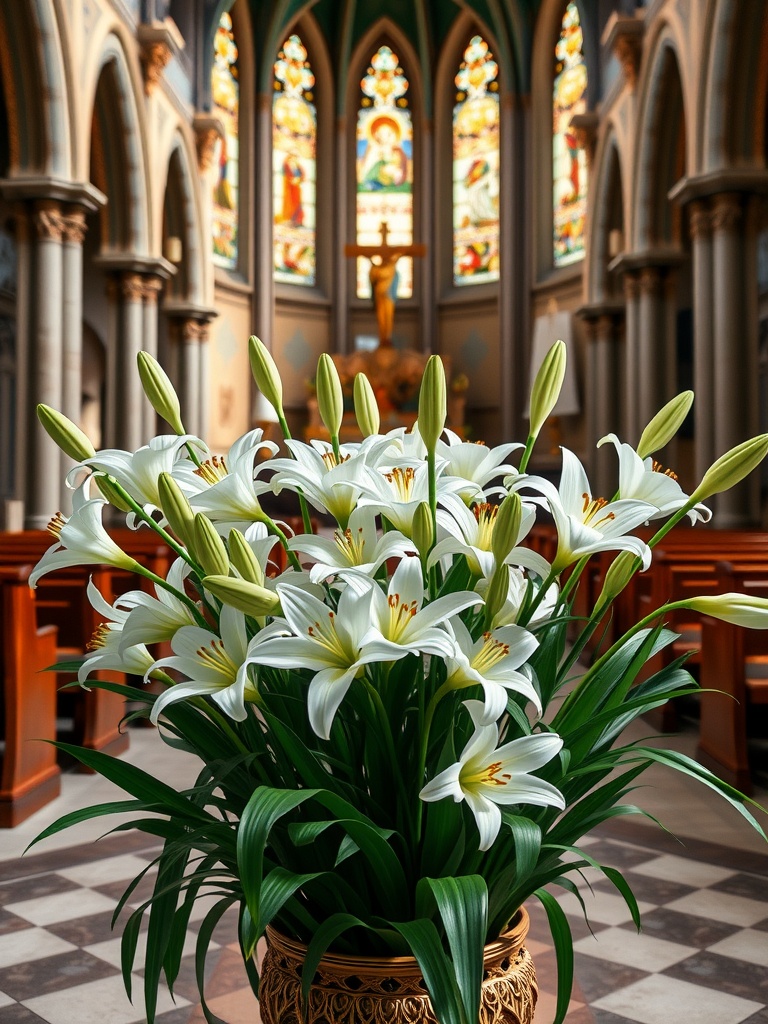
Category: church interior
[382,180]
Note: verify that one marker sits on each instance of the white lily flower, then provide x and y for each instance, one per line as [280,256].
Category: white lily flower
[151,620]
[353,554]
[327,483]
[486,775]
[402,626]
[262,542]
[492,662]
[647,480]
[215,665]
[81,539]
[229,489]
[469,532]
[586,524]
[328,642]
[474,461]
[138,471]
[105,650]
[398,491]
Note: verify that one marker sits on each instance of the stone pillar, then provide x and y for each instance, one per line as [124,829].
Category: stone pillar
[632,427]
[735,353]
[264,287]
[152,287]
[72,323]
[45,362]
[191,335]
[703,333]
[602,399]
[652,364]
[130,398]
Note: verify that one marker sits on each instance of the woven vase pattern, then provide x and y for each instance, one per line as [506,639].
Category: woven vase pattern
[368,990]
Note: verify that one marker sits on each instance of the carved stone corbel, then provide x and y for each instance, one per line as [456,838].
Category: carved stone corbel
[159,41]
[624,35]
[208,130]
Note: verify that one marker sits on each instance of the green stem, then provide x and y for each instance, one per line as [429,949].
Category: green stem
[163,534]
[528,613]
[302,500]
[424,750]
[527,453]
[389,741]
[432,479]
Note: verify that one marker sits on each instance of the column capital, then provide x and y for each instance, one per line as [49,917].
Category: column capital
[75,228]
[152,286]
[584,128]
[48,220]
[131,286]
[700,218]
[594,313]
[193,330]
[727,211]
[650,280]
[624,35]
[208,130]
[631,285]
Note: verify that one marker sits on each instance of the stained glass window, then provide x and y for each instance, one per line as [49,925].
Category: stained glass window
[569,163]
[294,165]
[225,90]
[384,167]
[476,167]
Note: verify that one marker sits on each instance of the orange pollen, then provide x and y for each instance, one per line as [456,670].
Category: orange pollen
[490,773]
[592,506]
[55,525]
[402,480]
[658,468]
[330,460]
[213,470]
[486,511]
[99,637]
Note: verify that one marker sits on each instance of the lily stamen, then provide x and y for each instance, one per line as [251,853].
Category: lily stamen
[330,460]
[591,507]
[215,656]
[658,468]
[400,613]
[56,524]
[326,636]
[485,514]
[99,638]
[402,480]
[213,470]
[490,653]
[350,546]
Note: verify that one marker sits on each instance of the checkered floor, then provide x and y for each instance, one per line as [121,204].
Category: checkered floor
[702,957]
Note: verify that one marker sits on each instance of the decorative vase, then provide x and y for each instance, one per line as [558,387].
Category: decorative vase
[376,990]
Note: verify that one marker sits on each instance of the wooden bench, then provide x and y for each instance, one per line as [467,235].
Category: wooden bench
[734,661]
[30,775]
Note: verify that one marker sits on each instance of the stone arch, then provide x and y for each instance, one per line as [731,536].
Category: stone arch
[182,219]
[118,152]
[661,158]
[606,214]
[33,71]
[734,86]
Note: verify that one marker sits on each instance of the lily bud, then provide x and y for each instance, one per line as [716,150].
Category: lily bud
[246,597]
[739,609]
[366,406]
[620,572]
[422,531]
[665,424]
[497,592]
[546,386]
[432,402]
[111,494]
[160,392]
[732,467]
[243,558]
[208,547]
[330,398]
[69,437]
[265,373]
[506,526]
[176,509]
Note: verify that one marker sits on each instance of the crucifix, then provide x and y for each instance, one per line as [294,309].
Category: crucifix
[383,278]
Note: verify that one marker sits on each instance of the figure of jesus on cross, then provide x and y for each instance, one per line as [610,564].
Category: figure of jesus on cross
[383,277]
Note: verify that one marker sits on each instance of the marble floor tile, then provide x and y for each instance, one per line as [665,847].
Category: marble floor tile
[658,999]
[621,946]
[722,906]
[76,903]
[747,944]
[597,978]
[680,869]
[53,974]
[602,907]
[97,1003]
[30,944]
[110,950]
[688,929]
[750,981]
[753,887]
[113,869]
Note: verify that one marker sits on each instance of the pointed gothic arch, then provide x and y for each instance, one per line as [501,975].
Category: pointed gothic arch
[608,213]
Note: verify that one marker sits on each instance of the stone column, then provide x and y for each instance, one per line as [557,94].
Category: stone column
[632,427]
[264,287]
[72,323]
[652,369]
[152,287]
[735,353]
[130,398]
[703,335]
[602,395]
[45,363]
[191,335]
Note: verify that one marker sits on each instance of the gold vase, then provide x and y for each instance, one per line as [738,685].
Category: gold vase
[371,990]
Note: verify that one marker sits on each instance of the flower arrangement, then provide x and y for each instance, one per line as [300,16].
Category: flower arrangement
[396,747]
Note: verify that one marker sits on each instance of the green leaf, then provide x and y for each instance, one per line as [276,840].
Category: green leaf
[563,940]
[463,906]
[276,889]
[204,935]
[329,930]
[439,976]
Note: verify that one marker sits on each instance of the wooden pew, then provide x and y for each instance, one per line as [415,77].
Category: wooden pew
[30,776]
[734,661]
